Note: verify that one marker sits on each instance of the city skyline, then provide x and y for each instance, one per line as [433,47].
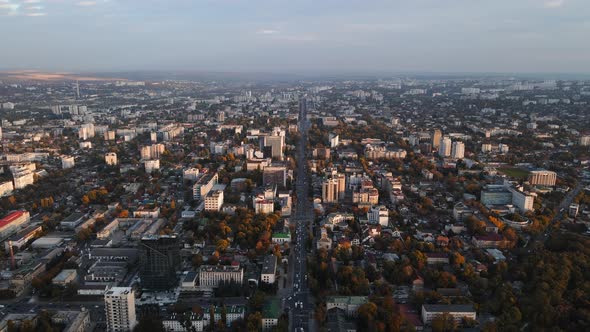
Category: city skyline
[527,36]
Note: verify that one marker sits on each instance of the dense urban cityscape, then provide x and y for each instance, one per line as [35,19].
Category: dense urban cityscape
[294,166]
[345,205]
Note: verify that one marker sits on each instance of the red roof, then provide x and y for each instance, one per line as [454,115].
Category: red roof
[10,218]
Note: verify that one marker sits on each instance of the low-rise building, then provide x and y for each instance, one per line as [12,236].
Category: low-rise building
[457,311]
[213,275]
[433,258]
[72,221]
[20,239]
[269,269]
[13,221]
[349,304]
[65,277]
[270,314]
[281,237]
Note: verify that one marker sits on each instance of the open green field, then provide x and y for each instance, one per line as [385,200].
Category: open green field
[514,172]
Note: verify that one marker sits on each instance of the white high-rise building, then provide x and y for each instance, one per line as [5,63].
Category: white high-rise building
[503,148]
[67,162]
[109,135]
[191,174]
[119,306]
[334,140]
[585,140]
[330,191]
[378,215]
[458,150]
[110,158]
[86,131]
[444,149]
[276,144]
[542,178]
[23,175]
[153,151]
[151,165]
[6,188]
[214,200]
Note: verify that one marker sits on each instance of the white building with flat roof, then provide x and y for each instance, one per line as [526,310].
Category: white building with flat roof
[269,269]
[151,165]
[67,162]
[6,188]
[542,178]
[378,215]
[119,306]
[457,311]
[213,275]
[458,150]
[214,200]
[444,149]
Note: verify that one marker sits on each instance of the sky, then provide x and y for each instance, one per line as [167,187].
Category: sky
[357,36]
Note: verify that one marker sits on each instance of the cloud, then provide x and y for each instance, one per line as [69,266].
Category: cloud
[86,3]
[35,14]
[267,32]
[378,27]
[31,1]
[11,8]
[553,3]
[298,38]
[34,8]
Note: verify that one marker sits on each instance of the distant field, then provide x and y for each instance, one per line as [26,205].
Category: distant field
[514,172]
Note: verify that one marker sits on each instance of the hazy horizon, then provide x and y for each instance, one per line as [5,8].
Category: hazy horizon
[266,36]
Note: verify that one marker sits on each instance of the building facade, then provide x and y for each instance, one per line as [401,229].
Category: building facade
[159,261]
[213,275]
[542,178]
[119,305]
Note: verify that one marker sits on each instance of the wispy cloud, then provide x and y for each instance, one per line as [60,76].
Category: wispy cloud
[298,38]
[34,8]
[553,3]
[378,27]
[35,14]
[279,35]
[268,32]
[86,3]
[31,1]
[8,8]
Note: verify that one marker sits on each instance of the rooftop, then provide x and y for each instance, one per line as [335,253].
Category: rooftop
[271,308]
[348,299]
[448,307]
[118,291]
[270,264]
[11,217]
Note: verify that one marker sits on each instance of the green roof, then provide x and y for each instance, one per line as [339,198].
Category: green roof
[271,308]
[281,235]
[234,309]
